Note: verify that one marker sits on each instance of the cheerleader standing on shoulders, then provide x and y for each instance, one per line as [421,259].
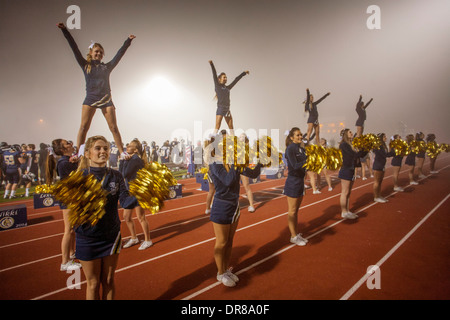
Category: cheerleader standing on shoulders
[411,161]
[129,169]
[379,164]
[98,246]
[223,98]
[420,156]
[98,91]
[431,138]
[347,171]
[64,167]
[396,163]
[313,119]
[294,185]
[225,214]
[361,111]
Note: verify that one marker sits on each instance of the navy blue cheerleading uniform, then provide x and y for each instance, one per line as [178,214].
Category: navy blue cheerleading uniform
[311,107]
[379,161]
[63,168]
[349,158]
[11,165]
[104,239]
[361,111]
[294,186]
[411,159]
[129,168]
[225,206]
[397,161]
[98,90]
[421,154]
[223,92]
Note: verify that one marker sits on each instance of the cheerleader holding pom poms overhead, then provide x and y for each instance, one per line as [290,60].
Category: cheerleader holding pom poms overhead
[98,245]
[361,111]
[379,164]
[98,91]
[223,97]
[347,171]
[294,185]
[313,119]
[225,213]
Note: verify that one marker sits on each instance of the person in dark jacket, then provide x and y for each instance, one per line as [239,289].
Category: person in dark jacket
[379,164]
[347,171]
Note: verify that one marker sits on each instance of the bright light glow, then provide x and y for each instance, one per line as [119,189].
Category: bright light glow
[160,91]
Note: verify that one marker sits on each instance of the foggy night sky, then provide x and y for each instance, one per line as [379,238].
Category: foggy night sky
[287,46]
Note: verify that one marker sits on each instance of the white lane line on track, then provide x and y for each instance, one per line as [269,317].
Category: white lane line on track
[358,284]
[243,228]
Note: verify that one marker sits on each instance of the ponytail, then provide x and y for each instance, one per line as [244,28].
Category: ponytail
[290,135]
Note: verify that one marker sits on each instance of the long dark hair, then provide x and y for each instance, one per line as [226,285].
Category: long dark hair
[290,135]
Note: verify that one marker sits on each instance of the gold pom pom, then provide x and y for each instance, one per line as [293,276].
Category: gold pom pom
[84,196]
[334,158]
[433,149]
[151,186]
[367,142]
[400,147]
[44,188]
[445,147]
[317,158]
[417,146]
[267,153]
[205,171]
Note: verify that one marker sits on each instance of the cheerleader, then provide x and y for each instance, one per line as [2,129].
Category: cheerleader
[225,213]
[379,164]
[11,166]
[129,169]
[64,166]
[98,246]
[347,171]
[207,158]
[361,111]
[411,161]
[98,91]
[325,170]
[223,97]
[420,156]
[396,163]
[294,185]
[313,119]
[431,138]
[245,180]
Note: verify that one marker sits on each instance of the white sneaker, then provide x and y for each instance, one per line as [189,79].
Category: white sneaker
[414,183]
[226,280]
[317,192]
[380,200]
[330,188]
[251,209]
[70,265]
[364,178]
[303,239]
[145,245]
[298,240]
[130,243]
[399,189]
[422,176]
[232,275]
[349,215]
[434,171]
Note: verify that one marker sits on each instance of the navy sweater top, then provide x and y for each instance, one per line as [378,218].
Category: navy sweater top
[97,81]
[349,156]
[129,168]
[227,183]
[296,159]
[109,225]
[223,91]
[64,167]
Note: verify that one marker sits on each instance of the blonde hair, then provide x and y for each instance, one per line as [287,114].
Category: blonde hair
[84,162]
[89,56]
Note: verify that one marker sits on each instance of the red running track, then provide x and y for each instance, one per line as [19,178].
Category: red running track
[408,238]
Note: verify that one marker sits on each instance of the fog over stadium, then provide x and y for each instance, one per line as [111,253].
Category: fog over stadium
[163,87]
